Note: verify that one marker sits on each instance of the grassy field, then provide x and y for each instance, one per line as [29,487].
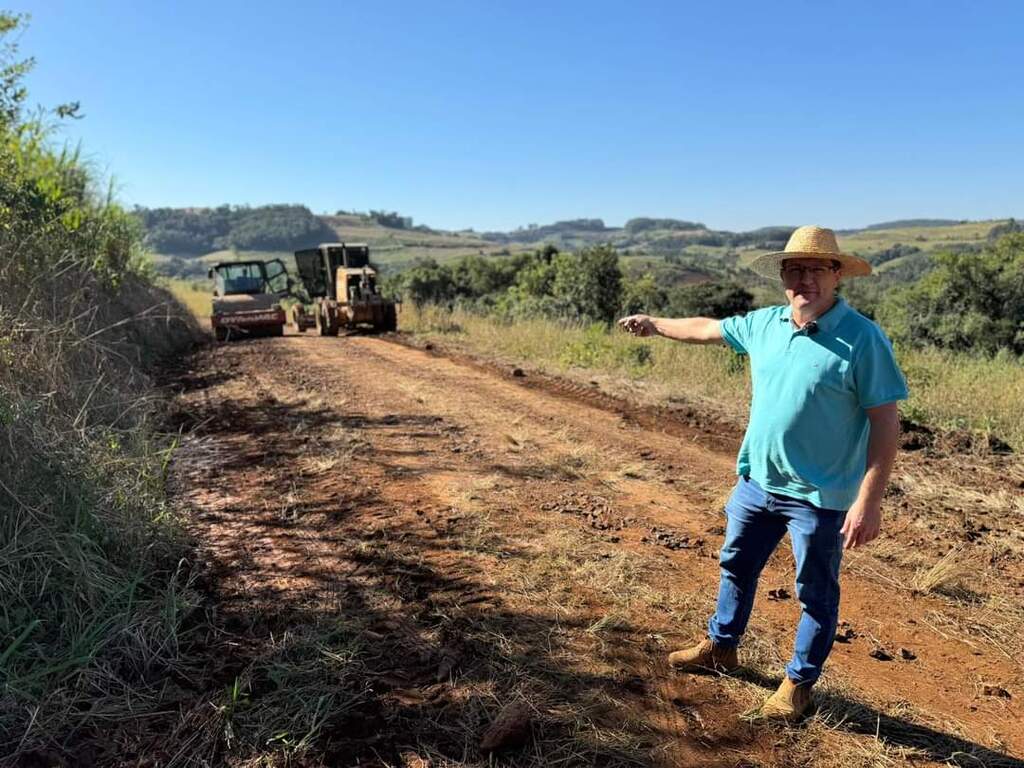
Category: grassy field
[194,294]
[925,238]
[947,391]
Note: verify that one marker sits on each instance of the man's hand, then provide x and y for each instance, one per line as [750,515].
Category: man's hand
[692,330]
[638,325]
[863,523]
[864,519]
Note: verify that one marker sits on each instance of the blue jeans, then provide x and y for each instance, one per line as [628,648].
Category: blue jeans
[757,521]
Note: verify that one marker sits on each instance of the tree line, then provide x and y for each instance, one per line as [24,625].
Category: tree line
[195,231]
[585,286]
[969,301]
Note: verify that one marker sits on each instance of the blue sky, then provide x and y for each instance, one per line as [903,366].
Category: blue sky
[496,115]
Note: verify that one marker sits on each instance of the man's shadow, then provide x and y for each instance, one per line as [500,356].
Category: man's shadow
[856,717]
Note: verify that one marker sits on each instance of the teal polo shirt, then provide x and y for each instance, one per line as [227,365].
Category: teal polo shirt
[808,431]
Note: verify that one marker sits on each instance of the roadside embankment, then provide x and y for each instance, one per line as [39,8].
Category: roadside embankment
[93,573]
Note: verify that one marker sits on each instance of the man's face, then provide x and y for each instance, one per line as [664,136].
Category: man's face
[810,283]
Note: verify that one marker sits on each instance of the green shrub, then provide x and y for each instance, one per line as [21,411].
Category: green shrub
[643,295]
[600,348]
[969,302]
[581,287]
[710,299]
[589,282]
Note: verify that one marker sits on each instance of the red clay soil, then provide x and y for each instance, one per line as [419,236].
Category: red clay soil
[511,549]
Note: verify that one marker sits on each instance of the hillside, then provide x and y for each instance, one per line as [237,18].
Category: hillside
[203,236]
[177,251]
[672,251]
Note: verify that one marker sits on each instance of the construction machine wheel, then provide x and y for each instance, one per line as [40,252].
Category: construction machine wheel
[297,318]
[390,319]
[325,324]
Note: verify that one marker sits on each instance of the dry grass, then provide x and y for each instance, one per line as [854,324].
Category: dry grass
[194,295]
[701,375]
[95,583]
[575,464]
[948,576]
[578,572]
[947,391]
[995,621]
[305,680]
[633,471]
[945,491]
[951,391]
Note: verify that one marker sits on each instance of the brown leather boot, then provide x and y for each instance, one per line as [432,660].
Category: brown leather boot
[787,705]
[704,657]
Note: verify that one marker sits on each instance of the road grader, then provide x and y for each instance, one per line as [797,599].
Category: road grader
[342,284]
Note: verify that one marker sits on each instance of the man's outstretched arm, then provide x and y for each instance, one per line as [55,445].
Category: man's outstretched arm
[864,520]
[693,330]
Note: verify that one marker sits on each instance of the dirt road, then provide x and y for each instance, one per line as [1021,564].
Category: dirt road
[401,544]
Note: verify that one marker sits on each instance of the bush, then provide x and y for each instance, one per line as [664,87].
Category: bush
[584,286]
[711,299]
[589,282]
[968,302]
[600,349]
[427,283]
[643,295]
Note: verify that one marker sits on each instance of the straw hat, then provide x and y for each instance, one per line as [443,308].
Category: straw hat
[811,243]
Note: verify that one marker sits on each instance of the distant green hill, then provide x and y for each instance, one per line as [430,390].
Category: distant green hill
[185,241]
[903,223]
[195,231]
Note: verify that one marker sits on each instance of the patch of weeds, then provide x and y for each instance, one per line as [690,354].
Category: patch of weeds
[597,348]
[306,684]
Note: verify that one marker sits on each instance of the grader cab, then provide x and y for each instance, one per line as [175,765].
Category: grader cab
[342,284]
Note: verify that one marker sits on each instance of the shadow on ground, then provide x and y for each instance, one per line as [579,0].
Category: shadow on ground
[347,627]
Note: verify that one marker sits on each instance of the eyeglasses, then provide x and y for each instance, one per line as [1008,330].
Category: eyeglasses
[798,272]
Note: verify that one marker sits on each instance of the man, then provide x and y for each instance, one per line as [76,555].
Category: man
[816,456]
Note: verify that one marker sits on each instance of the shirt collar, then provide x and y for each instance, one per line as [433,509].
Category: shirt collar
[826,322]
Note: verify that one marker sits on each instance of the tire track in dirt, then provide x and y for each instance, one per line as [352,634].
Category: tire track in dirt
[936,689]
[456,402]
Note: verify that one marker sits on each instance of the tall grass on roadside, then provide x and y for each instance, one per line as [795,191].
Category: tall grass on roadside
[93,580]
[947,391]
[713,376]
[957,391]
[193,295]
